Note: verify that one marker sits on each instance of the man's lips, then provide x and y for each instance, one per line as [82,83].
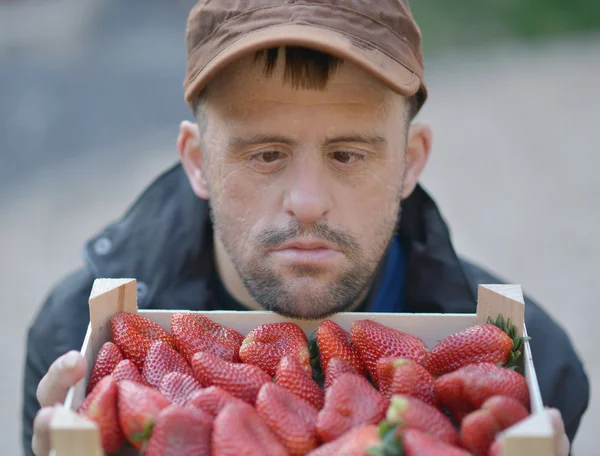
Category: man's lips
[308,252]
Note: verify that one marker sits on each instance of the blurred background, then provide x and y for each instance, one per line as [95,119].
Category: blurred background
[91,98]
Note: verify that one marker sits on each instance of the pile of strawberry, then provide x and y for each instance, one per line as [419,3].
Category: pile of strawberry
[205,389]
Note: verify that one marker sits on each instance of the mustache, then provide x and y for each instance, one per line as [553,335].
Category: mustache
[274,237]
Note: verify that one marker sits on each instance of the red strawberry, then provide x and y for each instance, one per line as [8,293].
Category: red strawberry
[100,406]
[480,428]
[265,345]
[467,388]
[350,401]
[106,361]
[506,410]
[291,418]
[239,431]
[139,406]
[336,368]
[126,370]
[418,443]
[181,431]
[334,342]
[212,400]
[293,377]
[355,442]
[162,360]
[478,431]
[193,332]
[375,341]
[134,335]
[178,387]
[410,412]
[404,376]
[477,344]
[241,380]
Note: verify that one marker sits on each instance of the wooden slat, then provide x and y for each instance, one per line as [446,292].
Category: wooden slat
[108,297]
[507,300]
[72,435]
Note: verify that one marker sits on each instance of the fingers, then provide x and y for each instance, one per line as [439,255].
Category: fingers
[40,443]
[562,443]
[65,372]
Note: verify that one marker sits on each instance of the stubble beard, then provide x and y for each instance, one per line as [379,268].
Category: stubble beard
[306,296]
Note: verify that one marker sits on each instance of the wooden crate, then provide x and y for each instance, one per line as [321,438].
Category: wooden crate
[73,435]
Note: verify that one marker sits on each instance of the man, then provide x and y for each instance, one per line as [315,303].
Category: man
[297,192]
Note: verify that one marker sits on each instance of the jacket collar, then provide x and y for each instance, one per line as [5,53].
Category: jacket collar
[165,241]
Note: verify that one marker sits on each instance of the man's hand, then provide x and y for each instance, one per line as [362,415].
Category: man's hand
[561,440]
[65,372]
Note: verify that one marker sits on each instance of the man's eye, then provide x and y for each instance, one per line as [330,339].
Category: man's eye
[267,157]
[346,157]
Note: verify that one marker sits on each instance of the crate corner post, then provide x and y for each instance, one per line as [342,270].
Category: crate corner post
[533,436]
[507,300]
[73,435]
[108,297]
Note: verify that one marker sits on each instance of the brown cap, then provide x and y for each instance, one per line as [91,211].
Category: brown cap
[380,36]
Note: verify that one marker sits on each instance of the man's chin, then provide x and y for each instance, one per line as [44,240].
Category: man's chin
[307,312]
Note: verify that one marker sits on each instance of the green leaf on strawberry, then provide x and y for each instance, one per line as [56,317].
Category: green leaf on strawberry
[509,328]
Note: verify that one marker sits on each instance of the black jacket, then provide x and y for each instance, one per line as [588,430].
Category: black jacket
[164,241]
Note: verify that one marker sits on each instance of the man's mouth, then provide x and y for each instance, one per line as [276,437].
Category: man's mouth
[307,252]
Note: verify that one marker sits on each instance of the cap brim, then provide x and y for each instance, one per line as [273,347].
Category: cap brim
[391,72]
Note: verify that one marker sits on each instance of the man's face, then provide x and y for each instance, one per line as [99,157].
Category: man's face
[304,185]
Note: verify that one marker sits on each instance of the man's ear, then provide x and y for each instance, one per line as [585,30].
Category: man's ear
[190,152]
[418,148]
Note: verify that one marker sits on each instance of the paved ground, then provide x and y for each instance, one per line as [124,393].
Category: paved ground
[514,169]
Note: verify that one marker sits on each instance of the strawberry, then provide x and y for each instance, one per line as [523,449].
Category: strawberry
[178,387]
[241,380]
[162,360]
[181,431]
[419,443]
[480,428]
[212,400]
[494,343]
[410,412]
[334,342]
[478,431]
[336,368]
[239,431]
[467,388]
[404,376]
[139,406]
[193,332]
[506,410]
[375,341]
[108,357]
[126,370]
[100,406]
[350,401]
[356,442]
[265,345]
[294,378]
[291,418]
[134,335]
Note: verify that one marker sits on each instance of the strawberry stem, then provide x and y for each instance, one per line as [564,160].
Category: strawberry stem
[511,330]
[390,444]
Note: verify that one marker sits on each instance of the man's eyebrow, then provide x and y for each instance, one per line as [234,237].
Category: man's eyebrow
[259,139]
[357,138]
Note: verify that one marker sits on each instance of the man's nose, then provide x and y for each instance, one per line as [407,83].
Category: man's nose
[308,195]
